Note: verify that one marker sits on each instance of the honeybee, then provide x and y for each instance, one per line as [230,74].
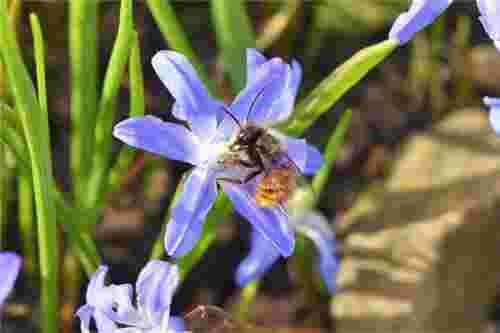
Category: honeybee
[260,153]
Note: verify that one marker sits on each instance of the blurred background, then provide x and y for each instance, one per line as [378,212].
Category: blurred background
[415,197]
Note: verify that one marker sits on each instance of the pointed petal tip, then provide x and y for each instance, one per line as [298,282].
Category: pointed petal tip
[421,14]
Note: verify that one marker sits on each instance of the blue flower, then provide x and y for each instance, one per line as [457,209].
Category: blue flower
[10,265]
[262,256]
[111,307]
[490,19]
[267,99]
[421,14]
[494,105]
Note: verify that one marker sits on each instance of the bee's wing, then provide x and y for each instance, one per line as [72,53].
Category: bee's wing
[211,319]
[303,184]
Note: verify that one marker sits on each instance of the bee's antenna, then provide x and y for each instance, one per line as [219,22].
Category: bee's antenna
[233,117]
[254,102]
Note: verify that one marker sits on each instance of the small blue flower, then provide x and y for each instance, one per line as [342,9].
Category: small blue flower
[111,306]
[490,19]
[262,256]
[421,14]
[267,99]
[10,265]
[494,105]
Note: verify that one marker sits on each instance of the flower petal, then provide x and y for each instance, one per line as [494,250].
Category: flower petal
[314,160]
[156,136]
[307,158]
[96,284]
[490,19]
[254,60]
[272,223]
[494,105]
[103,323]
[188,216]
[129,330]
[316,228]
[421,14]
[260,259]
[193,102]
[266,86]
[85,313]
[155,288]
[177,324]
[121,310]
[10,265]
[283,107]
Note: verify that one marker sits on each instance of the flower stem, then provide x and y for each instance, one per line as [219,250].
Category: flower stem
[84,65]
[36,131]
[99,180]
[26,215]
[332,88]
[137,106]
[247,297]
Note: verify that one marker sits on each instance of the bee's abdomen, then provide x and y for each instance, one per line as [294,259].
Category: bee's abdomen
[274,188]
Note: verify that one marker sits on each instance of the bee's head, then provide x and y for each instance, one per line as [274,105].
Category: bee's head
[249,135]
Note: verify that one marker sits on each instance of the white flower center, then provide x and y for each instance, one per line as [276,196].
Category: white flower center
[210,152]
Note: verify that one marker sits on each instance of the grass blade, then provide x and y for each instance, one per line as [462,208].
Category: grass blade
[107,105]
[234,35]
[83,75]
[137,106]
[35,126]
[175,36]
[340,81]
[331,152]
[26,213]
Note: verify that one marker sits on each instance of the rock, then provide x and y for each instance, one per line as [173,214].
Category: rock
[422,249]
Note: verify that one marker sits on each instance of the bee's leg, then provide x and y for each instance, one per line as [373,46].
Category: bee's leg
[252,175]
[283,210]
[248,164]
[231,180]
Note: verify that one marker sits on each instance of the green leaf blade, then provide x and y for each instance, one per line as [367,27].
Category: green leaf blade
[340,81]
[234,35]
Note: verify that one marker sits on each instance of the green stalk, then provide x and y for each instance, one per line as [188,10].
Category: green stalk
[15,141]
[86,247]
[175,36]
[234,35]
[36,131]
[72,220]
[463,89]
[7,172]
[26,213]
[331,152]
[305,201]
[107,105]
[5,176]
[438,96]
[246,300]
[137,106]
[83,46]
[332,88]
